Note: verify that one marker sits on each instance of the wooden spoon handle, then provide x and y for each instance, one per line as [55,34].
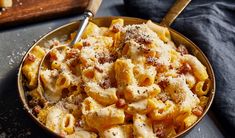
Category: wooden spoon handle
[174,12]
[93,6]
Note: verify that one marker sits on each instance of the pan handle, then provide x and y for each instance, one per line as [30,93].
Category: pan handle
[174,11]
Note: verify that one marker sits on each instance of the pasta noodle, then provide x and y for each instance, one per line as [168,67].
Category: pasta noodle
[135,93]
[162,32]
[202,87]
[144,76]
[163,110]
[141,107]
[198,69]
[104,96]
[142,126]
[68,123]
[89,105]
[105,117]
[30,67]
[54,119]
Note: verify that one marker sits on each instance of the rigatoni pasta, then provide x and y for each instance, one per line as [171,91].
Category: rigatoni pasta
[118,81]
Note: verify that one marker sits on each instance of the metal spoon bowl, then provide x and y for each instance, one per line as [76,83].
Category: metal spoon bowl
[91,10]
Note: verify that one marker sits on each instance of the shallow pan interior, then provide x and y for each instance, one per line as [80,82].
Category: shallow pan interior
[64,31]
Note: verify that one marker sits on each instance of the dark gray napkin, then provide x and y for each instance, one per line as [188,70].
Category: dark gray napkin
[211,25]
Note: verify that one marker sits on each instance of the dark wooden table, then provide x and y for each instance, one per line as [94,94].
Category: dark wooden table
[14,122]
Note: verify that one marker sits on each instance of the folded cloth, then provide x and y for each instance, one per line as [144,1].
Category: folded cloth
[211,25]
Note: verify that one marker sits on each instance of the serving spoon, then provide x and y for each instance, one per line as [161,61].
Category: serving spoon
[90,11]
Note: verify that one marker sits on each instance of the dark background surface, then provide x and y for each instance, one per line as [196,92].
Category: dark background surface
[14,42]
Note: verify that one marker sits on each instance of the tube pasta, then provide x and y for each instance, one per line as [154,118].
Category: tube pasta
[144,76]
[103,96]
[199,69]
[181,94]
[142,126]
[190,80]
[141,107]
[90,105]
[30,66]
[185,120]
[164,130]
[189,120]
[91,30]
[63,81]
[87,56]
[68,123]
[162,32]
[54,118]
[88,74]
[132,49]
[116,22]
[115,32]
[163,110]
[202,87]
[105,117]
[135,93]
[124,72]
[55,65]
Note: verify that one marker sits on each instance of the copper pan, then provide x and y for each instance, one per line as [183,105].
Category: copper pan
[67,29]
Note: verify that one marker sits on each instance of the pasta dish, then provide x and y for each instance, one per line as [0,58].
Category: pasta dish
[119,81]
